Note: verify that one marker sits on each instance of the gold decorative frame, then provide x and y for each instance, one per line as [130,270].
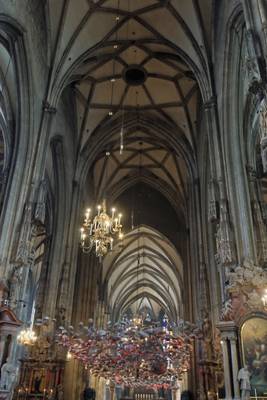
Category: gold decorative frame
[253,339]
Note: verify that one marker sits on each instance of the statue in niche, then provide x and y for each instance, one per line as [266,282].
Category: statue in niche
[244,379]
[8,375]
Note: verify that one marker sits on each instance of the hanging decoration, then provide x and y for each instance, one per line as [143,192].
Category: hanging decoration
[135,355]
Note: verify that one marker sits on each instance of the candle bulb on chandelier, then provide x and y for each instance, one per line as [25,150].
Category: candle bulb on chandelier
[87,214]
[82,231]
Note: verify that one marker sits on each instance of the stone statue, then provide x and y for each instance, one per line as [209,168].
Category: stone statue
[227,311]
[244,379]
[8,375]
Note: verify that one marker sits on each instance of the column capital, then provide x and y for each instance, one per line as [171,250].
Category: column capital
[232,338]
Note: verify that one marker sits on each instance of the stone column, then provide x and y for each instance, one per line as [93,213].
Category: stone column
[226,367]
[233,343]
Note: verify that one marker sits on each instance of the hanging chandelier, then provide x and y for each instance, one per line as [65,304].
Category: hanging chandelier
[99,232]
[27,337]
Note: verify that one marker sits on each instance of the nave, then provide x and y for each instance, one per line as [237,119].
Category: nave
[133,202]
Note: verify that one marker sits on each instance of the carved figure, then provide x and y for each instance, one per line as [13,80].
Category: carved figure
[244,379]
[254,299]
[227,311]
[246,275]
[8,375]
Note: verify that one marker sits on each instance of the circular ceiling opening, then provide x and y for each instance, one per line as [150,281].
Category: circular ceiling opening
[134,75]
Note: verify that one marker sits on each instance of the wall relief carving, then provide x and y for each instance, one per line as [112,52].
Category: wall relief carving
[244,287]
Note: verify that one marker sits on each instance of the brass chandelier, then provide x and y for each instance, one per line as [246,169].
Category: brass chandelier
[27,337]
[99,232]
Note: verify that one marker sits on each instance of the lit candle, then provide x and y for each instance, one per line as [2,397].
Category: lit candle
[99,209]
[113,212]
[120,215]
[87,214]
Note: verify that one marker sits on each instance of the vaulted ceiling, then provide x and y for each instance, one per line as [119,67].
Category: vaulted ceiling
[147,270]
[96,41]
[137,71]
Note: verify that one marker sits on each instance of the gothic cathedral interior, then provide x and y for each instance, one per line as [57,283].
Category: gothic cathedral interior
[133,199]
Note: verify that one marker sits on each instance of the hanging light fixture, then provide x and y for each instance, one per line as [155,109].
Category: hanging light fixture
[98,232]
[27,337]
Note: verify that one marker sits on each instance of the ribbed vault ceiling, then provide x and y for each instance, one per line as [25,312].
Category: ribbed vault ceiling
[8,105]
[96,42]
[157,278]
